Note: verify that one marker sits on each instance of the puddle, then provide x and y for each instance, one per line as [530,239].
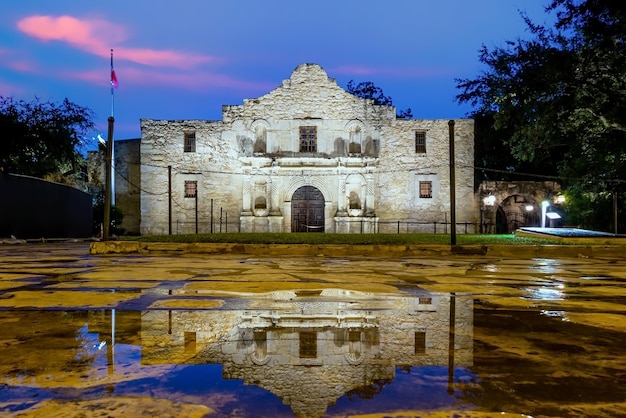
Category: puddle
[307,353]
[208,337]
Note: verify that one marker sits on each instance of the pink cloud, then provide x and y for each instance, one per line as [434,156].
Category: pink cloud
[154,57]
[13,60]
[139,77]
[86,34]
[23,66]
[395,71]
[7,89]
[96,36]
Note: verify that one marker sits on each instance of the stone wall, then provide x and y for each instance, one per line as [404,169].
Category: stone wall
[249,165]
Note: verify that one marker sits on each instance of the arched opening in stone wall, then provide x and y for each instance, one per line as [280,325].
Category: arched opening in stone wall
[307,210]
[517,211]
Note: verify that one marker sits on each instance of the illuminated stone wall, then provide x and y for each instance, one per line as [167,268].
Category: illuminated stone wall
[249,164]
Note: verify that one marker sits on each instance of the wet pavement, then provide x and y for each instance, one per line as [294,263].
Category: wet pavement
[197,335]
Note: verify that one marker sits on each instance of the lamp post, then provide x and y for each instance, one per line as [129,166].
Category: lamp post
[544,207]
[107,182]
[488,203]
[452,185]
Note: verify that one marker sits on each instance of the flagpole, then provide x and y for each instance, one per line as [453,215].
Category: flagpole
[113,85]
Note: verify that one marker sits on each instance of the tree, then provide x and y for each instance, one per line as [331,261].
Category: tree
[558,100]
[42,138]
[368,90]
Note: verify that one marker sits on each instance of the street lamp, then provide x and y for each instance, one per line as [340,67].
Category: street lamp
[488,202]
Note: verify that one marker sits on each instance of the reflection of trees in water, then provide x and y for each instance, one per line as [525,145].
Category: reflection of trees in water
[68,344]
[368,392]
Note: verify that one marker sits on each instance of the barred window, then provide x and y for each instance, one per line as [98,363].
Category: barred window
[426,189]
[308,139]
[190,141]
[308,345]
[420,142]
[191,188]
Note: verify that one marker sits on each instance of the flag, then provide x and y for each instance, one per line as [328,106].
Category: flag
[114,83]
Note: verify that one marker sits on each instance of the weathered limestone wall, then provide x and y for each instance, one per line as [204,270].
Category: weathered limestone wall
[249,165]
[401,169]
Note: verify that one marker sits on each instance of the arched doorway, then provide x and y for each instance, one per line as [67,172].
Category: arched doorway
[307,210]
[515,212]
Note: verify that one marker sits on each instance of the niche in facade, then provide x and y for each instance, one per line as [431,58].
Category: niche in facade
[340,147]
[355,141]
[260,206]
[354,204]
[246,145]
[370,148]
[260,142]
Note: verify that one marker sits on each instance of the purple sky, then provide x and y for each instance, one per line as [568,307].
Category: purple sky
[185,59]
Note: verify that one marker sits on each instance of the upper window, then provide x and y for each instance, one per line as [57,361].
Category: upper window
[191,188]
[426,189]
[190,141]
[420,142]
[308,139]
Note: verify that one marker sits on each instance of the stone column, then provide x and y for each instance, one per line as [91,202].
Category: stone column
[341,197]
[246,210]
[370,203]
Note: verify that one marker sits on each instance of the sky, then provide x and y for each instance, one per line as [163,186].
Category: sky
[185,59]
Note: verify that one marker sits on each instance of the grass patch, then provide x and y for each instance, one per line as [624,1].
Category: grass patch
[353,239]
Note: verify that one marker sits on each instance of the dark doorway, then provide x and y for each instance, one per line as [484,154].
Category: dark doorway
[307,210]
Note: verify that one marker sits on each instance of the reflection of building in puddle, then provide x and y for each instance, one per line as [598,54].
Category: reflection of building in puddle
[310,348]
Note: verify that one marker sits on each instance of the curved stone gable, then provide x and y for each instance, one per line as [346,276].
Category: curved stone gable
[310,94]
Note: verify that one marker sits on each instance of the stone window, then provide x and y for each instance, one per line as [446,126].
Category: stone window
[308,139]
[423,300]
[426,189]
[191,188]
[420,142]
[420,342]
[190,141]
[308,345]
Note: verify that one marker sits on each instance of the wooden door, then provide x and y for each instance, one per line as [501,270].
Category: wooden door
[307,210]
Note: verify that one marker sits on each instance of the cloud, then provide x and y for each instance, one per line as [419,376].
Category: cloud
[192,81]
[86,34]
[9,89]
[96,36]
[361,71]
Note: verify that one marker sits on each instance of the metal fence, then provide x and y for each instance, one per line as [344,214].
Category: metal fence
[224,225]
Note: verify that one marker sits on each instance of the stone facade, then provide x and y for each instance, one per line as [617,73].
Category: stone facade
[308,156]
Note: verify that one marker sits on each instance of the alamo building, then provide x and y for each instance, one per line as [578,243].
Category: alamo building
[308,157]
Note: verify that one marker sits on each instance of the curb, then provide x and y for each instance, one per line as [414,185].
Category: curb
[348,250]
